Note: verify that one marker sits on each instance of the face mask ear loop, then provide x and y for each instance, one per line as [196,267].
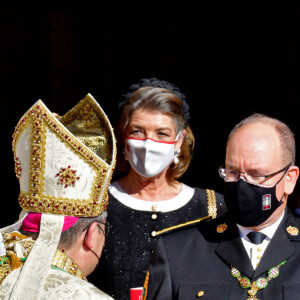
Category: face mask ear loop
[278,182]
[178,135]
[89,247]
[177,151]
[282,176]
[281,202]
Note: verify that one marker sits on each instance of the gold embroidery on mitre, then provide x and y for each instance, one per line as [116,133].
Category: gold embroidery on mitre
[67,176]
[89,124]
[221,228]
[42,120]
[18,168]
[294,231]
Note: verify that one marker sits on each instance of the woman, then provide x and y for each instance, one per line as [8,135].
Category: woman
[157,144]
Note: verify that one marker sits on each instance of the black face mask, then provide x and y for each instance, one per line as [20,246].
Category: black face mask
[250,204]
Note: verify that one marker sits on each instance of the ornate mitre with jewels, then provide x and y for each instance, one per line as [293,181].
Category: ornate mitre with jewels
[64,164]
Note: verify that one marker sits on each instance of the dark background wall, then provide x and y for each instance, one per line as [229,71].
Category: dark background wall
[230,60]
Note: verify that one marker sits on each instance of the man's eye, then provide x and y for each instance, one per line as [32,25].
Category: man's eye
[230,172]
[256,175]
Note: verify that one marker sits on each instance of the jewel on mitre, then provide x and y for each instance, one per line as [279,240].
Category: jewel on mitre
[67,176]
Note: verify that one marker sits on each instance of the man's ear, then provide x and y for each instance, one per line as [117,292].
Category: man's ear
[291,179]
[89,235]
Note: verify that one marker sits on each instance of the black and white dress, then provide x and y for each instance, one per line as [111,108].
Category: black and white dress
[134,224]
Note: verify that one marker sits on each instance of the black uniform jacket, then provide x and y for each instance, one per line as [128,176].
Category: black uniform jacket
[195,263]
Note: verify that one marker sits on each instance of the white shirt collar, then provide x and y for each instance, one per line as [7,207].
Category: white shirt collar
[269,231]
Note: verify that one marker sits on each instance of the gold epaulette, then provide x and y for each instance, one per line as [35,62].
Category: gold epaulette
[182,225]
[211,203]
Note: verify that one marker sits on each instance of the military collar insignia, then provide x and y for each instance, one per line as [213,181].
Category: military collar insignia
[293,231]
[221,228]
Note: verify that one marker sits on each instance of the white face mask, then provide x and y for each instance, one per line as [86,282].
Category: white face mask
[148,157]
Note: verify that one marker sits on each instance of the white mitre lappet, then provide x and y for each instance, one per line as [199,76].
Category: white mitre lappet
[64,165]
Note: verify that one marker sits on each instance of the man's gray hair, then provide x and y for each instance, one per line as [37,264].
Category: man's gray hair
[69,236]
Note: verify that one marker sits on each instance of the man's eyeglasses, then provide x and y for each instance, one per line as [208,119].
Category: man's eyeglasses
[252,177]
[106,227]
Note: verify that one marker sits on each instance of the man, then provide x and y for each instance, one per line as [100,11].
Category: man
[64,165]
[216,259]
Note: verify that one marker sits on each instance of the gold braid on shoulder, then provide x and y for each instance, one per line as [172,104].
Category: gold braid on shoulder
[211,203]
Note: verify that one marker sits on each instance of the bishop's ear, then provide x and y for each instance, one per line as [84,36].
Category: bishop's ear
[89,235]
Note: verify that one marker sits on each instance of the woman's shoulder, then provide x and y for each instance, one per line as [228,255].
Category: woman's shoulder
[206,192]
[214,200]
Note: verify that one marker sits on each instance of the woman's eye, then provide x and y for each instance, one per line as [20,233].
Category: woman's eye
[163,134]
[136,133]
